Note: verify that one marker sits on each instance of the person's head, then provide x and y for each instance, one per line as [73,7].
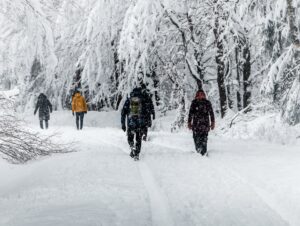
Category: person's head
[77,92]
[42,95]
[200,95]
[136,92]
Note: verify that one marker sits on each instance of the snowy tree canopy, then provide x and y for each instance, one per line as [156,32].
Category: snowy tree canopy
[239,52]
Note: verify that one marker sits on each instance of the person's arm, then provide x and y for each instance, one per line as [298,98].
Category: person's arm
[212,117]
[152,108]
[50,106]
[85,105]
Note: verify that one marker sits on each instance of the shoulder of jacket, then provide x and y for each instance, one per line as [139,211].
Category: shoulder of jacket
[208,102]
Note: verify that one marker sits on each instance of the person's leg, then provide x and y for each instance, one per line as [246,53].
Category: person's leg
[204,143]
[47,124]
[138,138]
[77,120]
[145,133]
[81,119]
[130,139]
[41,124]
[196,137]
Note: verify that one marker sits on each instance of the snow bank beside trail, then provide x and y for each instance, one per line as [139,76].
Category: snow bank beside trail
[268,127]
[91,119]
[10,93]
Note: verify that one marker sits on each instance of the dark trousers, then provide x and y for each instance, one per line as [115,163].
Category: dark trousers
[200,140]
[79,118]
[42,124]
[137,134]
[145,133]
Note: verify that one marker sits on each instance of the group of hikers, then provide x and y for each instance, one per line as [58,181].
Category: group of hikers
[137,115]
[79,108]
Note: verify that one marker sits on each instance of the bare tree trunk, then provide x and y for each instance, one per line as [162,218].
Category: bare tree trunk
[229,86]
[246,75]
[220,65]
[293,33]
[238,77]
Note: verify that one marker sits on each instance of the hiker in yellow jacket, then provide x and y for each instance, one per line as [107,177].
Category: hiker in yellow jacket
[79,107]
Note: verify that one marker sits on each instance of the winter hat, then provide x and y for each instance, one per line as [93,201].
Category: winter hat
[200,95]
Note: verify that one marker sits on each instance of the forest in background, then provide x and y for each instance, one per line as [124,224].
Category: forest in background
[244,54]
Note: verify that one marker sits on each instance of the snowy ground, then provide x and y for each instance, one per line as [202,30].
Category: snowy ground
[241,183]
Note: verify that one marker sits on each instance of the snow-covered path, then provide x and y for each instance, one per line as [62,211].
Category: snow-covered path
[241,183]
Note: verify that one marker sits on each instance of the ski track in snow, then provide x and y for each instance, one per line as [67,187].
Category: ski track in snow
[221,169]
[160,210]
[266,197]
[159,205]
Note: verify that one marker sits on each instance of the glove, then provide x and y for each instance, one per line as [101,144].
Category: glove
[189,125]
[85,112]
[153,116]
[73,113]
[124,128]
[212,126]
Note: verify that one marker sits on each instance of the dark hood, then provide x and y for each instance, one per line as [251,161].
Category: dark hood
[136,92]
[42,96]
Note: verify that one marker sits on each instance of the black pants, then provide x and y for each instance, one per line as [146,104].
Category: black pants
[137,134]
[145,133]
[42,124]
[79,117]
[200,139]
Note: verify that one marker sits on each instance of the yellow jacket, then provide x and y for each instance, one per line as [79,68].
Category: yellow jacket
[78,103]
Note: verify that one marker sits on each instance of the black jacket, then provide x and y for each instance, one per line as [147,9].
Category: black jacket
[134,122]
[44,106]
[201,115]
[149,108]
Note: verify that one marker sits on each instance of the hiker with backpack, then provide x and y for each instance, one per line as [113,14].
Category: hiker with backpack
[149,111]
[79,107]
[45,108]
[134,110]
[201,120]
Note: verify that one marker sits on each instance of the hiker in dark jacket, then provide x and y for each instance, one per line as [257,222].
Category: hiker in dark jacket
[134,110]
[149,111]
[45,108]
[201,120]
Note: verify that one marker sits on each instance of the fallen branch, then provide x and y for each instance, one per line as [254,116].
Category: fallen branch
[238,114]
[19,145]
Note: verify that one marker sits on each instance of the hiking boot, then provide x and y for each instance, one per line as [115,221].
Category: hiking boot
[204,153]
[132,153]
[136,158]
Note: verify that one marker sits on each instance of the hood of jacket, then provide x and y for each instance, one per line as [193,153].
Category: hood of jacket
[77,95]
[136,92]
[200,95]
[42,96]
